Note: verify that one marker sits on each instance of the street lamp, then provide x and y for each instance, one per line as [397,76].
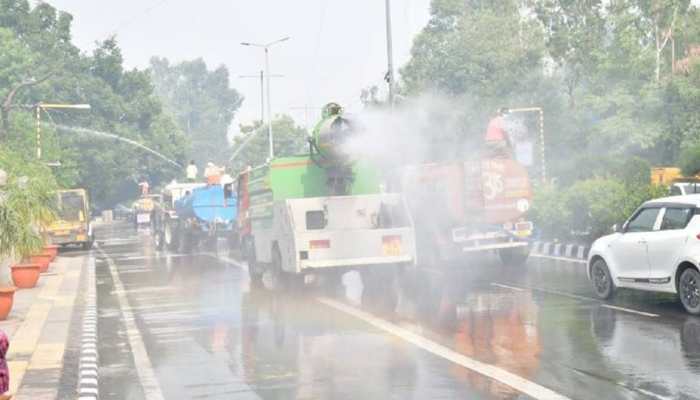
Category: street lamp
[541,123]
[267,46]
[262,91]
[47,106]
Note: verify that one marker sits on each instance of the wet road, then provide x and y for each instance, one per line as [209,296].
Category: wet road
[174,326]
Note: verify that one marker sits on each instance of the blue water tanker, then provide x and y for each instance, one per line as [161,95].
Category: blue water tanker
[211,206]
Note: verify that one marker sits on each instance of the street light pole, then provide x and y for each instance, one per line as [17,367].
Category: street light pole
[390,53]
[269,107]
[266,47]
[43,106]
[261,76]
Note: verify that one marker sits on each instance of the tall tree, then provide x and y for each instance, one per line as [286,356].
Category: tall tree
[251,148]
[39,63]
[202,101]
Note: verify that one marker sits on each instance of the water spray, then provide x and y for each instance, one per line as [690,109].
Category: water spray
[119,138]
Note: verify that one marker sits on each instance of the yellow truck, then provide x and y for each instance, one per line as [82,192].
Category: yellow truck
[678,184]
[72,224]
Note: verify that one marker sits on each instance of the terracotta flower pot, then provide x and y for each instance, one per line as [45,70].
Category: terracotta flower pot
[7,297]
[42,259]
[25,276]
[51,249]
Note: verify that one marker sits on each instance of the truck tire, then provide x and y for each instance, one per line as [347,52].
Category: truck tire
[158,239]
[515,256]
[274,277]
[255,271]
[170,237]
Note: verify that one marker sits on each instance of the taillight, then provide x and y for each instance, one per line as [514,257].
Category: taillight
[391,245]
[319,244]
[698,236]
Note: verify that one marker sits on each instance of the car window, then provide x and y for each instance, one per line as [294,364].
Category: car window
[643,221]
[676,190]
[676,218]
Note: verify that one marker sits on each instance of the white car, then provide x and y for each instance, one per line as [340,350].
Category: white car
[657,249]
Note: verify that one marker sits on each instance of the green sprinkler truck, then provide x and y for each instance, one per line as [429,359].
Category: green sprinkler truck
[321,214]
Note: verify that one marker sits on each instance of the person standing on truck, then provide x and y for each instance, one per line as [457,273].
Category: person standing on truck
[497,142]
[191,172]
[213,174]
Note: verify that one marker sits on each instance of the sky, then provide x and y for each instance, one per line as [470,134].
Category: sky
[337,47]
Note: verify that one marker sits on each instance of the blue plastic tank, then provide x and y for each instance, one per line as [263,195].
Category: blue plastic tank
[207,204]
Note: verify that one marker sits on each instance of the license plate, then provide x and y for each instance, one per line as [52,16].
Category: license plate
[391,245]
[143,218]
[61,233]
[81,238]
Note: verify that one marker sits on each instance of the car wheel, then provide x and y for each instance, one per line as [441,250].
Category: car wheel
[689,290]
[603,285]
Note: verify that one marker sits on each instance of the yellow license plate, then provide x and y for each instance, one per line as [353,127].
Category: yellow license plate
[391,245]
[81,238]
[61,233]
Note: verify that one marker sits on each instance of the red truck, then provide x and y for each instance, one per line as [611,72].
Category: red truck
[469,206]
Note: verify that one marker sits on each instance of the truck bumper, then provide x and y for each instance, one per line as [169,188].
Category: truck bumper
[356,262]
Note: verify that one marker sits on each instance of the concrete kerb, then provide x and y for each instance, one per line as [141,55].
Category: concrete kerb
[574,252]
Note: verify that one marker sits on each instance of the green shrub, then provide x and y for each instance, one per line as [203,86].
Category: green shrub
[589,208]
[689,160]
[549,211]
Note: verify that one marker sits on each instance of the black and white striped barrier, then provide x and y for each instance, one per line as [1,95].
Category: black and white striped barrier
[562,250]
[88,379]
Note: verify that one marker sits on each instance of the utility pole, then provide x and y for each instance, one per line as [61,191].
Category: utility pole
[390,55]
[43,106]
[266,47]
[306,115]
[262,90]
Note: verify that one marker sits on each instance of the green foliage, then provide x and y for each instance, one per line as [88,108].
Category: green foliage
[587,209]
[26,202]
[549,211]
[203,103]
[39,62]
[289,140]
[689,160]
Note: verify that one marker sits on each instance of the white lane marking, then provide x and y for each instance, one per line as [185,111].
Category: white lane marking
[228,260]
[629,310]
[500,285]
[577,297]
[491,371]
[144,368]
[567,259]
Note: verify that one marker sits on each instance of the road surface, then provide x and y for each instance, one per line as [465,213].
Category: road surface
[177,326]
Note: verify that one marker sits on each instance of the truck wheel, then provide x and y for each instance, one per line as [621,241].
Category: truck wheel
[275,278]
[170,238]
[515,256]
[158,239]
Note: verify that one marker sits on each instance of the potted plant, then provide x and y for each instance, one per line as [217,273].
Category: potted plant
[25,202]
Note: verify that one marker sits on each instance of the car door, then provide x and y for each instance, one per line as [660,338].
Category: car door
[629,251]
[666,244]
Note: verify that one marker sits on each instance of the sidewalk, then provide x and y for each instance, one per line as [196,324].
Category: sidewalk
[38,328]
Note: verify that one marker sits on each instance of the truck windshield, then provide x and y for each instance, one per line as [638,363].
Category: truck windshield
[70,206]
